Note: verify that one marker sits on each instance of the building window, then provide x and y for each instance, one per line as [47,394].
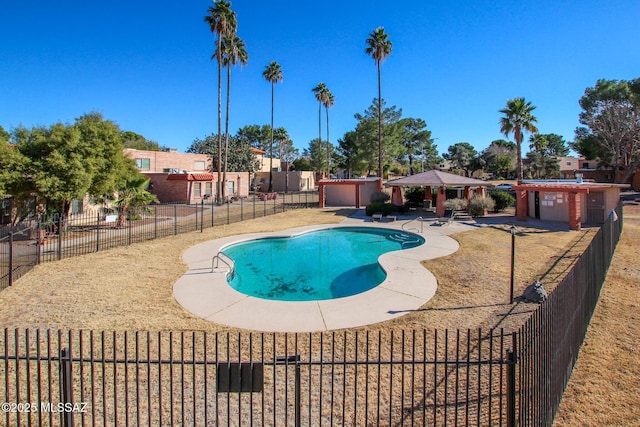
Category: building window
[207,188]
[197,189]
[585,166]
[144,164]
[198,166]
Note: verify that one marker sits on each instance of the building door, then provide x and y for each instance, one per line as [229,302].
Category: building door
[595,207]
[536,202]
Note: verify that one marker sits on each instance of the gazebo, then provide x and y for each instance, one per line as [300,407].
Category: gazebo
[437,179]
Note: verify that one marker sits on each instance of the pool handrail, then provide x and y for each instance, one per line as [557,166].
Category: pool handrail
[230,264]
[421,219]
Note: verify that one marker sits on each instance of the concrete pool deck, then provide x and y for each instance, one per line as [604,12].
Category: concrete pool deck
[203,289]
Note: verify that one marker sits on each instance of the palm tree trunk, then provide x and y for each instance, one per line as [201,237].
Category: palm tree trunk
[518,137]
[271,150]
[328,154]
[219,184]
[379,126]
[226,132]
[320,133]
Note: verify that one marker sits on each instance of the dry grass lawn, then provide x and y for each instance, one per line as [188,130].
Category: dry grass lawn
[129,288]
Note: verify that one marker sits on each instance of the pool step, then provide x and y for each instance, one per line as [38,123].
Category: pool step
[399,237]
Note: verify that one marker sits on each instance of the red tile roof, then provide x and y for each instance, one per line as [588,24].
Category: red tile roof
[191,177]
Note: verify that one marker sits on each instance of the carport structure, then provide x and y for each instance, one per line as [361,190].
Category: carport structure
[441,181]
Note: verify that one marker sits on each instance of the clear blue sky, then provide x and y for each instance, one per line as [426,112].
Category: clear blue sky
[146,65]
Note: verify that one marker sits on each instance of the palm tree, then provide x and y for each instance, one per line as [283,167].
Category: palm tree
[328,103]
[222,22]
[517,118]
[379,47]
[320,92]
[234,51]
[273,74]
[133,195]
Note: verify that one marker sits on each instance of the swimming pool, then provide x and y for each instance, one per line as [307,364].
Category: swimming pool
[318,265]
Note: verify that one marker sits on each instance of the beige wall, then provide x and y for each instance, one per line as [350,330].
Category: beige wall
[182,191]
[161,160]
[298,181]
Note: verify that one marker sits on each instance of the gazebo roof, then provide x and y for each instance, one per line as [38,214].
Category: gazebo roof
[436,178]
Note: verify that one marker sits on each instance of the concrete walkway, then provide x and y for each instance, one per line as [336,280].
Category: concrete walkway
[203,289]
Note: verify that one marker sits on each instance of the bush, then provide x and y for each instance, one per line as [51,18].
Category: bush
[478,204]
[379,196]
[455,204]
[384,208]
[414,195]
[502,199]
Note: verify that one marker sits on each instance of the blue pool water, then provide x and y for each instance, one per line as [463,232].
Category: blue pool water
[325,264]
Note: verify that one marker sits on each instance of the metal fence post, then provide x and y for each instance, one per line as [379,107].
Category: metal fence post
[98,232]
[38,242]
[67,386]
[175,220]
[228,212]
[201,217]
[511,388]
[59,237]
[129,232]
[155,222]
[11,258]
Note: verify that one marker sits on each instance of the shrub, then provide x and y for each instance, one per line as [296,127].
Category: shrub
[414,195]
[502,199]
[455,204]
[384,208]
[478,204]
[379,196]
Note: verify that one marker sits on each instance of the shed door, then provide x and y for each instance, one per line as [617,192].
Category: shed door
[595,207]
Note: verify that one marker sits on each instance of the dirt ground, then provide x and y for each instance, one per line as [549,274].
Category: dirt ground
[129,288]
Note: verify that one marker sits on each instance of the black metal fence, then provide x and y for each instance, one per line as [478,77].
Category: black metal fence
[60,237]
[549,342]
[434,378]
[332,379]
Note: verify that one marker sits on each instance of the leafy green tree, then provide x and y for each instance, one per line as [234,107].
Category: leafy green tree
[234,51]
[273,74]
[240,157]
[348,157]
[418,144]
[132,197]
[315,154]
[4,135]
[301,164]
[12,168]
[550,145]
[499,157]
[222,22]
[611,131]
[138,142]
[461,155]
[255,136]
[518,118]
[541,166]
[366,131]
[56,172]
[68,162]
[379,48]
[102,152]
